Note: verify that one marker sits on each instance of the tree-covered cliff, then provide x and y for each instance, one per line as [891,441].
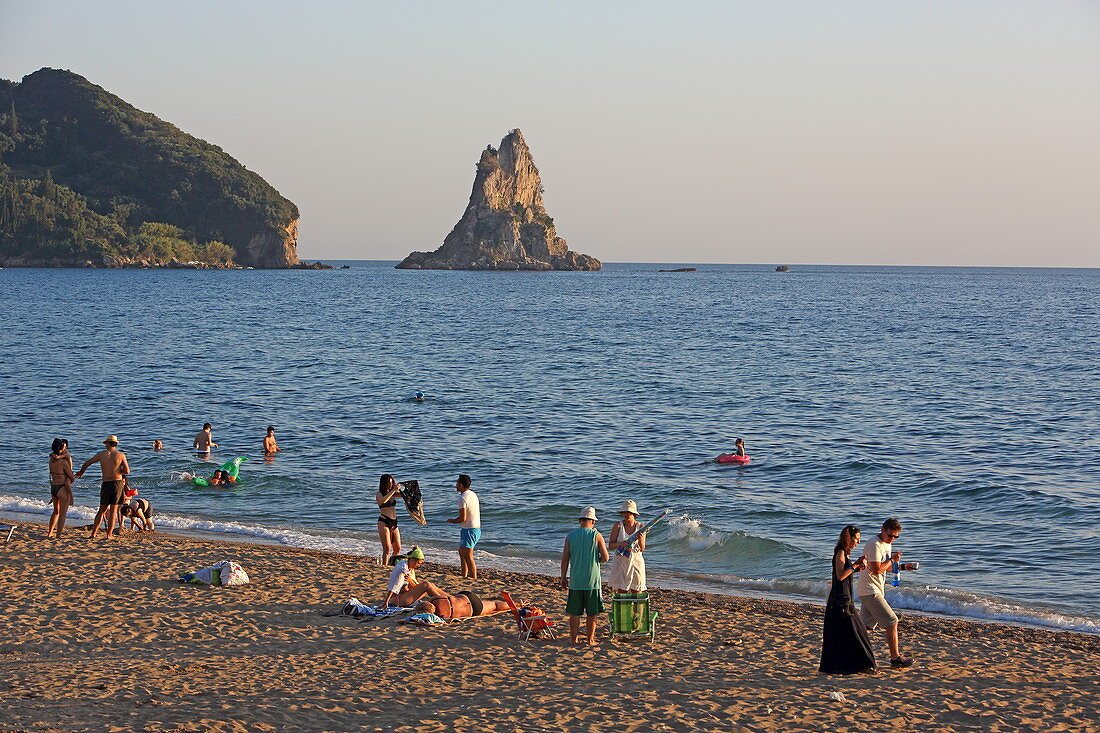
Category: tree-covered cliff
[87,179]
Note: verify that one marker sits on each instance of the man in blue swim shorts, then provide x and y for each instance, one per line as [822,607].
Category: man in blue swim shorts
[469,517]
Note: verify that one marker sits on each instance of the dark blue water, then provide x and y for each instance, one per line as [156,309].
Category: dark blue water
[962,401]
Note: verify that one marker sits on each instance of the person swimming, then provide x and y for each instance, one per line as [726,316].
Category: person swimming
[221,478]
[419,397]
[738,449]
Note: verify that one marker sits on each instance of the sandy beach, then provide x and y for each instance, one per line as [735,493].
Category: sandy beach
[99,636]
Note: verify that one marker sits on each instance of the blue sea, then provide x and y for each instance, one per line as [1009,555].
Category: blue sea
[963,401]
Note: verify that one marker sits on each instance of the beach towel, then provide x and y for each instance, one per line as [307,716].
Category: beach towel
[424,619]
[358,609]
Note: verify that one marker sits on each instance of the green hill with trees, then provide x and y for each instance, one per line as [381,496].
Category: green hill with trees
[89,180]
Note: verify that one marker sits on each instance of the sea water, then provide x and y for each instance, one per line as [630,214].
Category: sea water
[964,402]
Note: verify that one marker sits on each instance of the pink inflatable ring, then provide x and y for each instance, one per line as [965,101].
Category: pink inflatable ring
[734,459]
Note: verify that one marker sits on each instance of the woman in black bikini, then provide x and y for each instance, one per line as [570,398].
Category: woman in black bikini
[388,533]
[61,485]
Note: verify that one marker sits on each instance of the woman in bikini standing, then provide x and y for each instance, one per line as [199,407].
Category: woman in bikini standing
[388,533]
[61,485]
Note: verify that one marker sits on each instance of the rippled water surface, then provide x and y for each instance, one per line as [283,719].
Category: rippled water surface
[964,402]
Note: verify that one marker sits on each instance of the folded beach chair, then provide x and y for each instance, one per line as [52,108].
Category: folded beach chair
[630,616]
[531,622]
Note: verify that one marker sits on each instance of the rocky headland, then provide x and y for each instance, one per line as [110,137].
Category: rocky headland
[505,225]
[88,180]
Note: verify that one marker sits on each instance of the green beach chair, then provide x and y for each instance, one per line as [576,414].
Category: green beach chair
[630,616]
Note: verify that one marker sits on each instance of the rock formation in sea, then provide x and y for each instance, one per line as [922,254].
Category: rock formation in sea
[505,225]
[86,179]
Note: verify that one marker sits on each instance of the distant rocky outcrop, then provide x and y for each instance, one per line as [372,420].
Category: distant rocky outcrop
[86,179]
[505,225]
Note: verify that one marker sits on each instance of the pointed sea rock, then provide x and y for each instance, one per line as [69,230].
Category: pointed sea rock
[505,225]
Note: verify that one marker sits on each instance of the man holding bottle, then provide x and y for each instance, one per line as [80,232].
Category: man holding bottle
[871,588]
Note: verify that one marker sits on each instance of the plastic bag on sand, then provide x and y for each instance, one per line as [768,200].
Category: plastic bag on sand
[837,697]
[225,572]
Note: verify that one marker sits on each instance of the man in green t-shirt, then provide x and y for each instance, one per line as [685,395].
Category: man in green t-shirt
[580,575]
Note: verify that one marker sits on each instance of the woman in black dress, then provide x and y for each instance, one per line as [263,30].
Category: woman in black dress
[845,648]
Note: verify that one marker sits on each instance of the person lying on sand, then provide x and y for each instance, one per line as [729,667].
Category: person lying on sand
[464,604]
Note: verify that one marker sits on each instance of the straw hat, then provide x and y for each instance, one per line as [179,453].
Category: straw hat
[110,439]
[588,513]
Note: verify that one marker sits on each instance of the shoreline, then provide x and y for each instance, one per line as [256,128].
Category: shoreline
[140,651]
[501,563]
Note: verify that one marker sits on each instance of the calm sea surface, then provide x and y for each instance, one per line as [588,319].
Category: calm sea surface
[965,402]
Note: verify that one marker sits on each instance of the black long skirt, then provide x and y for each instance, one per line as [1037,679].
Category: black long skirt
[845,648]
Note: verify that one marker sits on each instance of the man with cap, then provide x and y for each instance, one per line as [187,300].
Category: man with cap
[404,589]
[580,575]
[112,462]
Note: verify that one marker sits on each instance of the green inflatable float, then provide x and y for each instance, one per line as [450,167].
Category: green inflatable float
[232,468]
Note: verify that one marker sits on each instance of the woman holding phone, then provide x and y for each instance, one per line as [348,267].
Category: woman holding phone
[845,648]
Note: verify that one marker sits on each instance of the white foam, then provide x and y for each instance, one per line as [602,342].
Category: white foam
[928,599]
[691,531]
[918,598]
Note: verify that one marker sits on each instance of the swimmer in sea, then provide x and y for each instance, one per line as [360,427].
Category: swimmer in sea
[270,446]
[419,397]
[221,478]
[157,445]
[204,440]
[738,449]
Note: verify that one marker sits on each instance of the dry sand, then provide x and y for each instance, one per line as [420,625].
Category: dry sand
[99,636]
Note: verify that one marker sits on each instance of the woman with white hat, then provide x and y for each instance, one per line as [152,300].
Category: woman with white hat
[627,573]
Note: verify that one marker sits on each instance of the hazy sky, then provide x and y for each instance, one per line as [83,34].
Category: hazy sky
[952,133]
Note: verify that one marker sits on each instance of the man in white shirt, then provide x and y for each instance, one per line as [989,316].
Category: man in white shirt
[469,516]
[404,589]
[871,588]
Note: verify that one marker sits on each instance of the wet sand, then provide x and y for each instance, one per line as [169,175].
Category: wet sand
[99,636]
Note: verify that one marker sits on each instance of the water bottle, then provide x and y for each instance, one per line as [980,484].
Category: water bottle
[896,580]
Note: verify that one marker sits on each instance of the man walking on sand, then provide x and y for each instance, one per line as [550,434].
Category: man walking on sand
[469,516]
[580,575]
[204,440]
[871,588]
[114,466]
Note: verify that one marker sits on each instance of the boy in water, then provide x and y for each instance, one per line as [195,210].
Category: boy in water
[270,446]
[580,575]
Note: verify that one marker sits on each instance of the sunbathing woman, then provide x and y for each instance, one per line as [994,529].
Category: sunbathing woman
[464,604]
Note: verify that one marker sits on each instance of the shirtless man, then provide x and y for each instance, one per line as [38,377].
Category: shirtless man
[464,604]
[204,441]
[113,464]
[270,446]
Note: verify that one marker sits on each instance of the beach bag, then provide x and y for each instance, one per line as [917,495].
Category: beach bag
[536,624]
[222,573]
[232,573]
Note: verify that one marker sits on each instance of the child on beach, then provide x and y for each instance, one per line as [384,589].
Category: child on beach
[580,574]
